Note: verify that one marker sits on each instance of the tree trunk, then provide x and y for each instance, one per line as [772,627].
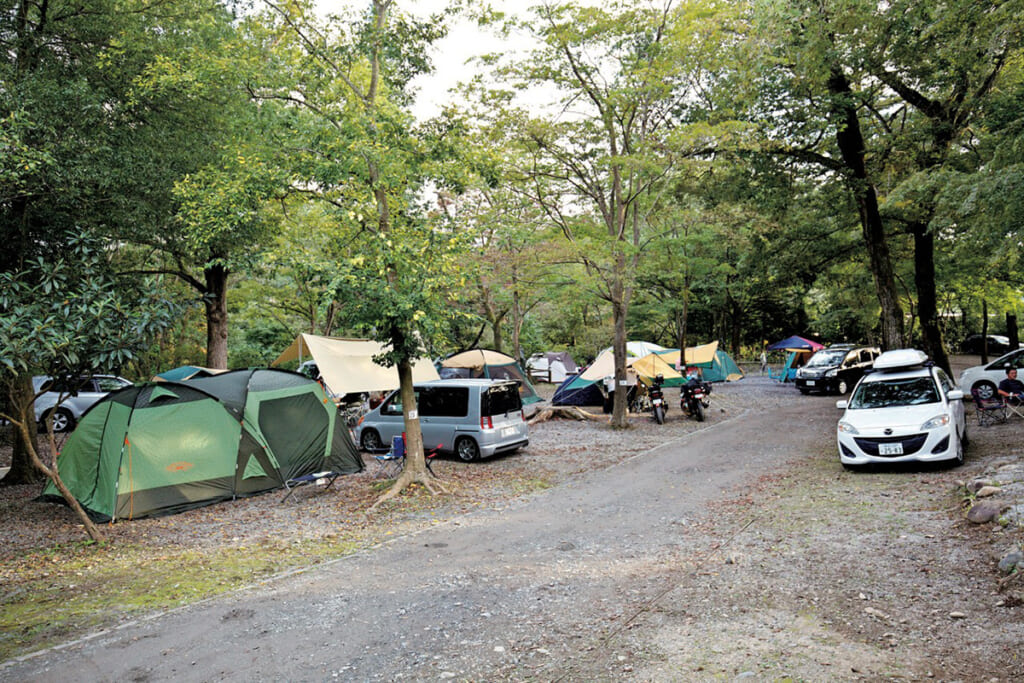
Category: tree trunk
[620,403]
[851,147]
[23,442]
[927,298]
[1011,330]
[216,301]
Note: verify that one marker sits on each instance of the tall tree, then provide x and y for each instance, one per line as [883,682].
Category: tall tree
[356,148]
[621,75]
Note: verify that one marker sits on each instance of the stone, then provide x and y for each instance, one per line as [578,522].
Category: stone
[987,491]
[984,512]
[1011,561]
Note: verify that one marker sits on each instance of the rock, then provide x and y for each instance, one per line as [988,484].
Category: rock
[984,512]
[1011,561]
[978,484]
[957,615]
[986,491]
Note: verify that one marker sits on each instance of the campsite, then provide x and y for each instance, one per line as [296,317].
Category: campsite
[258,546]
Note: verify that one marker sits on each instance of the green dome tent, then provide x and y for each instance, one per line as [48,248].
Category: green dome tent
[162,448]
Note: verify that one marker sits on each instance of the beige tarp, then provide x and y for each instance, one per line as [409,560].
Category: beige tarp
[346,365]
[652,365]
[477,359]
[695,355]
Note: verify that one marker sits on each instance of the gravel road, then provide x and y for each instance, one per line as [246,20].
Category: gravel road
[737,550]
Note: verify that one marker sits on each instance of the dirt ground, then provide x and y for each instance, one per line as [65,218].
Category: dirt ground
[806,572]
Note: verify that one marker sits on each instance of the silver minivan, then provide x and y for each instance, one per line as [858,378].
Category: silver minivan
[471,418]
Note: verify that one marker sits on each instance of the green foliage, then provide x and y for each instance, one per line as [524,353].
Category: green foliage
[70,315]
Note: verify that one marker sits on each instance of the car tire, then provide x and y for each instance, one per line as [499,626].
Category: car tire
[804,390]
[984,389]
[842,387]
[370,441]
[850,468]
[63,421]
[467,450]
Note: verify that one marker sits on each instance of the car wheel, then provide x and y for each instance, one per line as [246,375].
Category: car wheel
[984,389]
[851,468]
[803,390]
[63,420]
[370,441]
[467,450]
[842,387]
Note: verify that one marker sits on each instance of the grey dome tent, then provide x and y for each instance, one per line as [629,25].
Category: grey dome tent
[162,448]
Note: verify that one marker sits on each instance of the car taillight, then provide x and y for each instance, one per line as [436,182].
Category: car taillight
[486,423]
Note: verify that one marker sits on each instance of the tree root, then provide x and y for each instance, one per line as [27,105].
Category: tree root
[406,479]
[567,412]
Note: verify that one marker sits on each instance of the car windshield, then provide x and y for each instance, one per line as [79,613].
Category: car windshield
[910,391]
[827,358]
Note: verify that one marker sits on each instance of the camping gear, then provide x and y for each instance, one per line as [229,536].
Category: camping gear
[799,351]
[486,363]
[347,366]
[576,391]
[715,364]
[162,448]
[551,366]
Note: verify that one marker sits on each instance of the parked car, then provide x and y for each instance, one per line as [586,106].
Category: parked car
[471,418]
[905,410]
[983,379]
[835,369]
[997,344]
[78,394]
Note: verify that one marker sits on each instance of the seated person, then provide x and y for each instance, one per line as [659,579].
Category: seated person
[1011,388]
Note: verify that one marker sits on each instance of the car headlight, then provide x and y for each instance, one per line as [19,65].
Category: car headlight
[832,372]
[800,373]
[935,422]
[847,428]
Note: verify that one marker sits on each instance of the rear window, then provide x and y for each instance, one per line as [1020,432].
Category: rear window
[501,399]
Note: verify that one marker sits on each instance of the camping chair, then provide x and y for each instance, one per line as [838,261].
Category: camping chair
[326,477]
[990,410]
[390,464]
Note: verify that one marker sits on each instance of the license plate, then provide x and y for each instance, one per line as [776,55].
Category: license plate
[508,431]
[890,448]
[656,401]
[698,394]
[810,382]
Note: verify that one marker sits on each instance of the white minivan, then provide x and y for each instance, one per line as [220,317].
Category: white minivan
[471,418]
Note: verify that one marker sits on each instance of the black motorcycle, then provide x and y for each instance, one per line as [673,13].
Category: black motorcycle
[694,397]
[657,398]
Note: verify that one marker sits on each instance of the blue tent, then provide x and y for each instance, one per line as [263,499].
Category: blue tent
[795,343]
[575,391]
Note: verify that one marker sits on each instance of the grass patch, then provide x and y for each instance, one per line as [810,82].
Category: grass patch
[75,589]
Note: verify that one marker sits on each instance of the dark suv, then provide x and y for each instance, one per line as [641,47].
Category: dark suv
[836,369]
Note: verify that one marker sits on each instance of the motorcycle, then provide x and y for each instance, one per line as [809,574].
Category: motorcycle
[694,397]
[657,398]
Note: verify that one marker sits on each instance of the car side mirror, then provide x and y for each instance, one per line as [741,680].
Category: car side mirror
[841,405]
[956,395]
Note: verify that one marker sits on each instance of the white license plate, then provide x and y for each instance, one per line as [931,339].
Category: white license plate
[508,431]
[810,382]
[890,448]
[656,401]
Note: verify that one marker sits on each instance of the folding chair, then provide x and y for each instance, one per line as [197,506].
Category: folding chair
[990,410]
[389,465]
[326,477]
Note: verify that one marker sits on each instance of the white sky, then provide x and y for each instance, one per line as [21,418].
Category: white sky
[464,40]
